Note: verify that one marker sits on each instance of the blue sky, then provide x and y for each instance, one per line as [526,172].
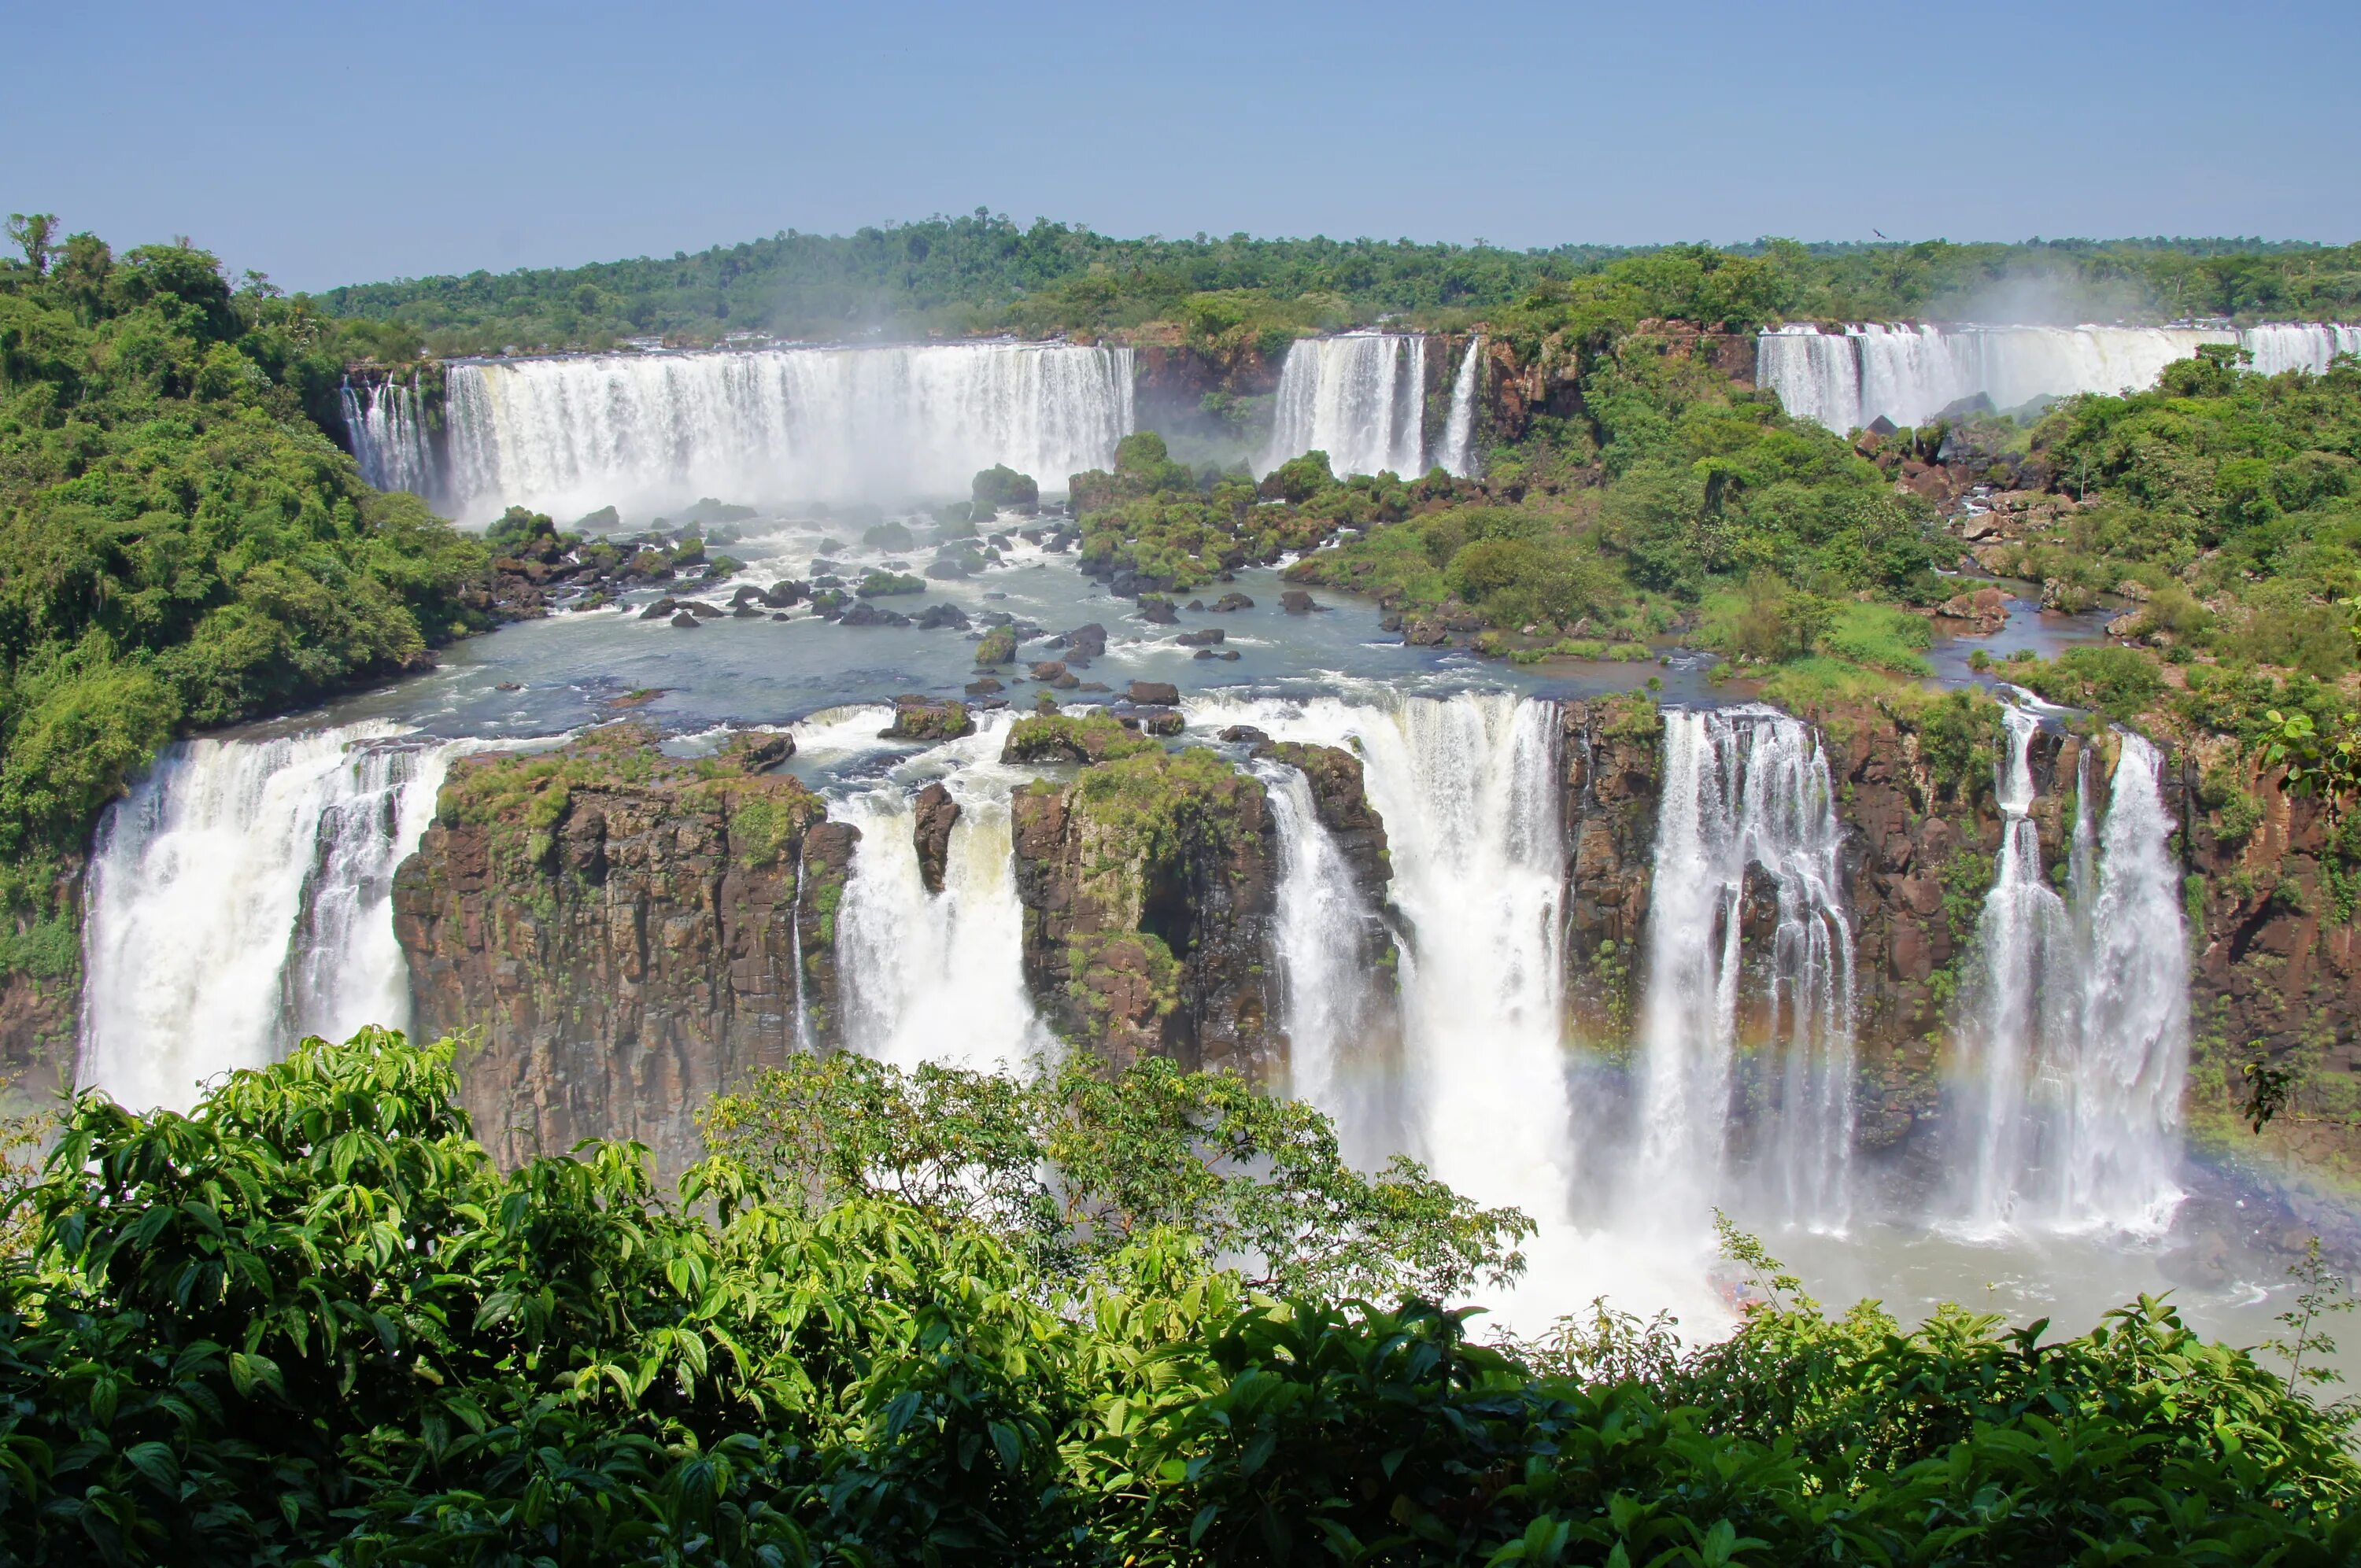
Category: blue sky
[338,143]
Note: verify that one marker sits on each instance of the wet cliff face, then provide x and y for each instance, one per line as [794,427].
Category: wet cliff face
[1611,752]
[622,930]
[1148,883]
[2275,972]
[1922,830]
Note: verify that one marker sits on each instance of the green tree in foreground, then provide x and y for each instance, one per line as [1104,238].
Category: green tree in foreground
[311,1322]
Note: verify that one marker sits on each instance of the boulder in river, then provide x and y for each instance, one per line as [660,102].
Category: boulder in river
[927,718]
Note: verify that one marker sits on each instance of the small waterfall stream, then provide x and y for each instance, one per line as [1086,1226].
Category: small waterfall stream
[1325,1000]
[1457,456]
[2123,1143]
[1746,794]
[385,422]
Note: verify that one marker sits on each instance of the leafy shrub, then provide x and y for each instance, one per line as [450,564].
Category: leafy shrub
[311,1320]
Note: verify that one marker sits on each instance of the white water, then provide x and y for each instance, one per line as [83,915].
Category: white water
[1327,997]
[239,901]
[2298,345]
[1467,788]
[648,431]
[1911,373]
[2123,1140]
[2072,1054]
[1458,455]
[1745,790]
[1359,397]
[938,977]
[2016,1035]
[386,424]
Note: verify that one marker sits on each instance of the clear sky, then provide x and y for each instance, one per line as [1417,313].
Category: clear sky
[328,143]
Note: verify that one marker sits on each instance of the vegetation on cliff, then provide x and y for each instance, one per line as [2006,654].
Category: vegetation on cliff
[180,541]
[312,1322]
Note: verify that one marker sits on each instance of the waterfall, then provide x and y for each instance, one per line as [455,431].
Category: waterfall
[2124,1140]
[1360,397]
[1746,791]
[2280,346]
[2023,1001]
[239,899]
[385,424]
[2073,1047]
[1458,455]
[1909,374]
[1324,986]
[1467,787]
[938,977]
[566,435]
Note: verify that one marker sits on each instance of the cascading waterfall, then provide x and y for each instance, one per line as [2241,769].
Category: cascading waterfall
[1908,374]
[384,423]
[1325,994]
[1359,397]
[938,977]
[1745,791]
[1458,455]
[1467,787]
[238,900]
[2072,1054]
[566,435]
[2124,1140]
[2024,1006]
[2280,346]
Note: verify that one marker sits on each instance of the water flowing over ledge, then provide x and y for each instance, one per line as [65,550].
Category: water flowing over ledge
[1457,455]
[240,899]
[1746,794]
[385,422]
[2073,1050]
[1909,374]
[647,431]
[1359,397]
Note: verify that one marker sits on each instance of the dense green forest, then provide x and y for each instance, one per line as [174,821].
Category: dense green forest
[180,541]
[983,273]
[943,1318]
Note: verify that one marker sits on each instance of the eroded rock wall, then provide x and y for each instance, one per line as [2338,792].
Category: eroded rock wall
[1148,883]
[621,928]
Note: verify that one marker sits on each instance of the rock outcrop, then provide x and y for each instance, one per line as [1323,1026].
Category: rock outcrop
[1611,748]
[2275,972]
[934,813]
[1148,884]
[621,927]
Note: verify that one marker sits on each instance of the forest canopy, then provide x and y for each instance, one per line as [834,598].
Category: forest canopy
[312,1322]
[981,272]
[182,542]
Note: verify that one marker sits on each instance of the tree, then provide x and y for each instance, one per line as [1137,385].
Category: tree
[1073,1168]
[32,232]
